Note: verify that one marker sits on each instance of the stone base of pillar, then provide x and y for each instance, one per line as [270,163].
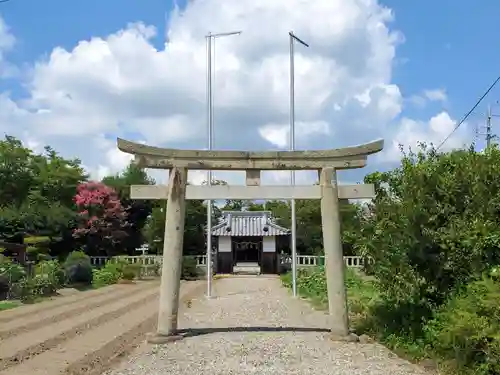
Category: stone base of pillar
[158,339]
[351,337]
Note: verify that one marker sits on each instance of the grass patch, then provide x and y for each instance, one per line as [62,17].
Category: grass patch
[311,284]
[7,305]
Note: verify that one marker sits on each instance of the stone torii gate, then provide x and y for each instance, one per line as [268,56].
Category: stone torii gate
[326,162]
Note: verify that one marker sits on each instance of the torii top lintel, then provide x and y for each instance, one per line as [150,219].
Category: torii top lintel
[167,158]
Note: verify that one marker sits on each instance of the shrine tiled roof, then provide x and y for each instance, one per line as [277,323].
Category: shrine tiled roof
[248,223]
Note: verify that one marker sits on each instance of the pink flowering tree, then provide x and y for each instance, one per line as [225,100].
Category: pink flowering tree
[102,220]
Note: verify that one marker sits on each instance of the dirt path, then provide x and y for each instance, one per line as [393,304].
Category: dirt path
[52,315]
[52,303]
[84,333]
[253,326]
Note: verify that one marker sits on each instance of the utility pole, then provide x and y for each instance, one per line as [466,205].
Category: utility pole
[488,129]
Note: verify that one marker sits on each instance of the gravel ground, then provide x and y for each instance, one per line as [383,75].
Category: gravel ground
[253,326]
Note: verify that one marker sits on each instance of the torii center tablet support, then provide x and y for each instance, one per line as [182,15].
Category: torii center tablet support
[326,162]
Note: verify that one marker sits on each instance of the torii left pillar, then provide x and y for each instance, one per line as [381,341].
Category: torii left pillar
[172,258]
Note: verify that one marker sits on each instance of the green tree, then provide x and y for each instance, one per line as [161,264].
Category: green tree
[131,175]
[253,206]
[194,227]
[137,211]
[16,172]
[234,205]
[50,200]
[36,190]
[56,178]
[194,230]
[433,227]
[154,229]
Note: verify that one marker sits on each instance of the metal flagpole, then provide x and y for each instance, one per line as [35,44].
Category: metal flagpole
[293,38]
[209,175]
[210,120]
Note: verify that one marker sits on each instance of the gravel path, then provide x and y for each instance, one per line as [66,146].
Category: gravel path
[253,326]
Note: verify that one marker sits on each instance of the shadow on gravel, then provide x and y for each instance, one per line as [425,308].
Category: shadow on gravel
[191,332]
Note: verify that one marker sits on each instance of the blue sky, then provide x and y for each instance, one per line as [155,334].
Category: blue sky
[44,25]
[449,44]
[444,48]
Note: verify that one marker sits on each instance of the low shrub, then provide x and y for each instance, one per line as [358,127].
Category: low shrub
[12,271]
[24,290]
[311,282]
[30,288]
[79,274]
[76,257]
[128,273]
[114,270]
[133,270]
[118,264]
[78,268]
[10,275]
[189,268]
[466,330]
[44,285]
[53,270]
[104,277]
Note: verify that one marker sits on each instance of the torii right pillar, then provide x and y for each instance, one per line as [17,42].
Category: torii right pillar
[334,260]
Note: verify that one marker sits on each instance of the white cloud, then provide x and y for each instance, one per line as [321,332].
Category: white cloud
[80,99]
[7,42]
[434,131]
[434,95]
[417,100]
[279,134]
[437,95]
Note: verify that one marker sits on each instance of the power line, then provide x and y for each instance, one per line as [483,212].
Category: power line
[468,113]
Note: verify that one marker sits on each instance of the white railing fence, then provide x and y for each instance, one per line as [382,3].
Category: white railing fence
[201,260]
[146,260]
[351,261]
